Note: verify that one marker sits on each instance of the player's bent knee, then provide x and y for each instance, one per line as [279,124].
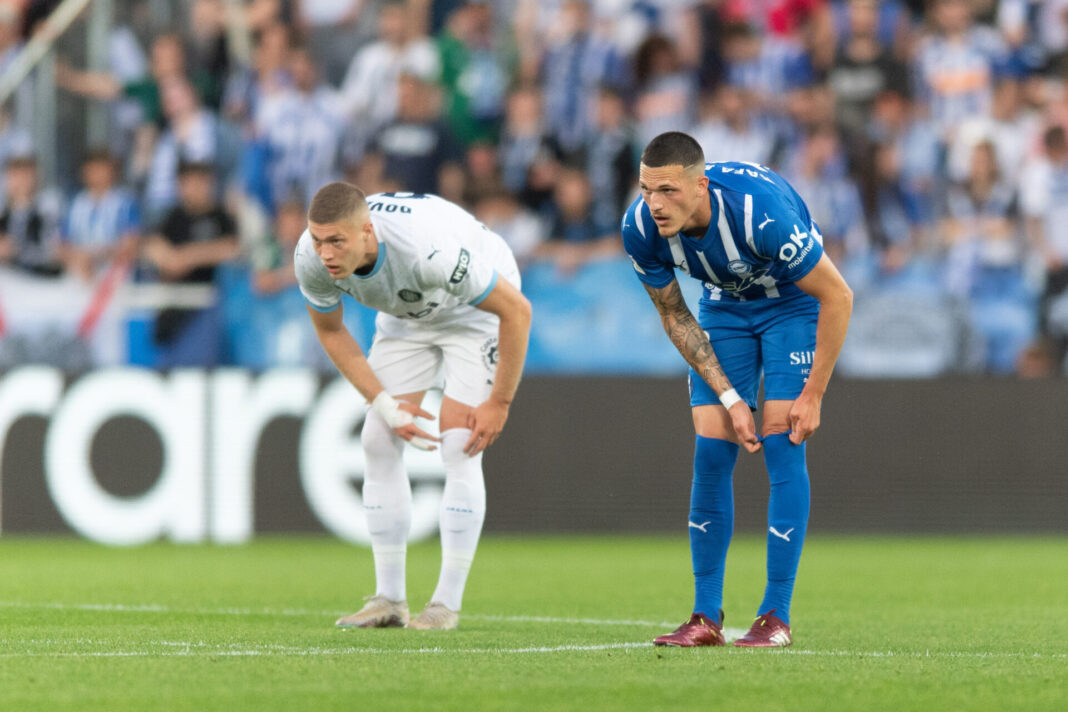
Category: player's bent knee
[452,452]
[379,440]
[454,414]
[776,417]
[713,421]
[774,423]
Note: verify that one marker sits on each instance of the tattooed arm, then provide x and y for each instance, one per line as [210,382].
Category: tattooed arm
[687,335]
[692,342]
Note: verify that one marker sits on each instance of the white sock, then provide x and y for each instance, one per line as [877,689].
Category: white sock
[387,501]
[463,509]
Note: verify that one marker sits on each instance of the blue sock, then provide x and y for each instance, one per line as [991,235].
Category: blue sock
[711,520]
[787,520]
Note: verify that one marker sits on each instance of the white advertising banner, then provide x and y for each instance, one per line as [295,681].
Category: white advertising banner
[210,426]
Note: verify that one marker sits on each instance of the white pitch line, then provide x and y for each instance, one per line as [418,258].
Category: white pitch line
[159,608]
[198,650]
[730,634]
[551,619]
[88,606]
[205,650]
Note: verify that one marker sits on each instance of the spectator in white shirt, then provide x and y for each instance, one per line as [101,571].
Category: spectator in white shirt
[369,91]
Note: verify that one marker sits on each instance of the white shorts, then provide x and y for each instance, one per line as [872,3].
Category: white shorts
[462,361]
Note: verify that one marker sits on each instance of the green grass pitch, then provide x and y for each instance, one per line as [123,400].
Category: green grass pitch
[549,623]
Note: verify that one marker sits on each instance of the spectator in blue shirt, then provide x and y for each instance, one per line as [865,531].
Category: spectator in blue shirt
[575,237]
[103,222]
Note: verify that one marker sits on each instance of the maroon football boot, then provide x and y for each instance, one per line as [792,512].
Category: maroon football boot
[767,631]
[698,631]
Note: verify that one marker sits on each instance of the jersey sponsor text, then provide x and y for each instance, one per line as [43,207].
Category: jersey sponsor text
[460,272]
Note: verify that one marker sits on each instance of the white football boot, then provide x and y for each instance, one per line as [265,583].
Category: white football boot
[378,612]
[436,617]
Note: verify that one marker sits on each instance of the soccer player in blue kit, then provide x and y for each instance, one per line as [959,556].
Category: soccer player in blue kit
[774,303]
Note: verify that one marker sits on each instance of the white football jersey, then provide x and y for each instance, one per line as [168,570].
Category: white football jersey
[435,263]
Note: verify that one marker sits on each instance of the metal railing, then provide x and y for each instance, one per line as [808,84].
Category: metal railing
[37,54]
[33,68]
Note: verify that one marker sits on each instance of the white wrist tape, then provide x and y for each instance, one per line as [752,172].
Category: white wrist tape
[387,408]
[729,398]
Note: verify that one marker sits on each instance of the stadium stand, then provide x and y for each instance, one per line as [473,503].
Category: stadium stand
[928,137]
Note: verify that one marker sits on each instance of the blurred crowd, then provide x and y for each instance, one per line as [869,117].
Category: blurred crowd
[928,138]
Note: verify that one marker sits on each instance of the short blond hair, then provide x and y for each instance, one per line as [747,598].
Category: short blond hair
[336,202]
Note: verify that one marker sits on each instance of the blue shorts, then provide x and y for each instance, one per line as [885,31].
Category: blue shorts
[773,336]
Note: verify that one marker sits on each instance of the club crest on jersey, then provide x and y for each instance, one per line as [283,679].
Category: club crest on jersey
[430,306]
[739,267]
[409,295]
[744,281]
[490,355]
[460,271]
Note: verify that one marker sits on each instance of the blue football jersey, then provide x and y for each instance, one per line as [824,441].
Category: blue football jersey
[761,238]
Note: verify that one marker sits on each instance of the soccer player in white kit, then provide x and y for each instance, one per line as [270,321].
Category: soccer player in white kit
[449,309]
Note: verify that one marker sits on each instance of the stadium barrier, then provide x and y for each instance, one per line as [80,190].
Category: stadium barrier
[125,456]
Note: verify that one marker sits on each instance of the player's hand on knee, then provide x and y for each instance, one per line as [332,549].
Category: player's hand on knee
[401,415]
[417,437]
[415,410]
[486,423]
[804,418]
[744,426]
